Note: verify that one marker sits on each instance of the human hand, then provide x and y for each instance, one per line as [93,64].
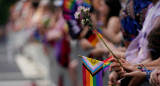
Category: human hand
[155,78]
[113,78]
[127,67]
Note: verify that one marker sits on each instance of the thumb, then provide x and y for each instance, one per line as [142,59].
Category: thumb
[113,60]
[123,60]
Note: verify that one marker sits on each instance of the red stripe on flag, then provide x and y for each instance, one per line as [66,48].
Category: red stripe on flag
[84,75]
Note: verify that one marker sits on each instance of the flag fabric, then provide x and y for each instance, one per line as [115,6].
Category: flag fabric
[100,30]
[61,46]
[86,3]
[92,38]
[106,64]
[92,72]
[69,8]
[62,51]
[74,28]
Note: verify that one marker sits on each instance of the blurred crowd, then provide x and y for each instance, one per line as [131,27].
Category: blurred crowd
[129,27]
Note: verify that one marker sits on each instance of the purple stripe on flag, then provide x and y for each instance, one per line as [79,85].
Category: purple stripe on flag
[100,78]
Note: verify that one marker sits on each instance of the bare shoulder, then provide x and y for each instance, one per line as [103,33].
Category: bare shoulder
[156,22]
[114,23]
[114,20]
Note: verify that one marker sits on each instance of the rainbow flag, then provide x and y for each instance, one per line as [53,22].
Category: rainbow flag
[106,64]
[92,72]
[100,30]
[69,8]
[87,3]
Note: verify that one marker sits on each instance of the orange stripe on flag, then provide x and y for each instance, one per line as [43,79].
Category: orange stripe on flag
[87,78]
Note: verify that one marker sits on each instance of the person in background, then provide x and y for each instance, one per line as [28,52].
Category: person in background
[147,70]
[141,53]
[110,24]
[132,18]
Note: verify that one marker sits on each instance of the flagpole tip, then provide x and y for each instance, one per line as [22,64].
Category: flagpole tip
[80,56]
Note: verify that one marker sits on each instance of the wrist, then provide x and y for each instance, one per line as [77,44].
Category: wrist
[140,66]
[144,74]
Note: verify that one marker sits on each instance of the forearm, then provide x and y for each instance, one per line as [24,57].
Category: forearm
[151,65]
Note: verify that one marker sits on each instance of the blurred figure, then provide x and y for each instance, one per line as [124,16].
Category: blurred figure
[141,53]
[132,18]
[110,25]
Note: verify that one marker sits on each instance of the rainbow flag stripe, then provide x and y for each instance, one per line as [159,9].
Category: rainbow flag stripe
[69,8]
[87,3]
[92,65]
[106,64]
[90,80]
[92,72]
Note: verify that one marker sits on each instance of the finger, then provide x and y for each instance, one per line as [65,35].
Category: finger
[150,80]
[120,74]
[117,69]
[114,64]
[119,82]
[111,83]
[113,60]
[153,82]
[155,76]
[114,81]
[123,60]
[158,79]
[110,69]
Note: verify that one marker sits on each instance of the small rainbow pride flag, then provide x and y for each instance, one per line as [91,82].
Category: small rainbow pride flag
[92,71]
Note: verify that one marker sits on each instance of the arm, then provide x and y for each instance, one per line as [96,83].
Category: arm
[112,32]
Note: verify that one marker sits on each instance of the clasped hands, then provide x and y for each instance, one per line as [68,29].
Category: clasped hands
[127,70]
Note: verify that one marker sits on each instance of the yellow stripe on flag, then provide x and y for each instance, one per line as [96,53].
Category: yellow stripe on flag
[91,80]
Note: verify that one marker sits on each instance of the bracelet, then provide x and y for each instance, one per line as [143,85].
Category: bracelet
[148,72]
[141,67]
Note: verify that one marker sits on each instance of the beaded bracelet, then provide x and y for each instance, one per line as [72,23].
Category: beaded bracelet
[148,72]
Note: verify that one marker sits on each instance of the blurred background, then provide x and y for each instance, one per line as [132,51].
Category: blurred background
[40,41]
